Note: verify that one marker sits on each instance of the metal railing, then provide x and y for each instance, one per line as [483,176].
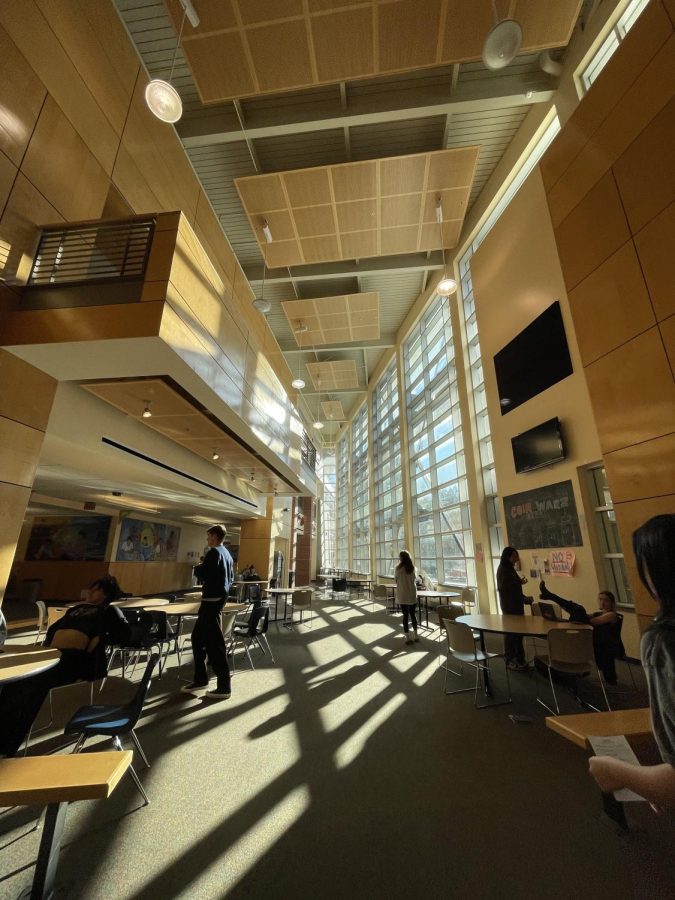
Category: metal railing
[92,252]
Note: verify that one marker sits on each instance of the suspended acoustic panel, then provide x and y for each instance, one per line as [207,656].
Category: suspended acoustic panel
[355,210]
[337,375]
[242,48]
[334,320]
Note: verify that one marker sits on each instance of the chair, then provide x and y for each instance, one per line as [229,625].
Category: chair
[451,612]
[300,600]
[114,721]
[462,646]
[468,597]
[150,629]
[339,587]
[379,592]
[623,656]
[570,652]
[227,620]
[42,620]
[254,632]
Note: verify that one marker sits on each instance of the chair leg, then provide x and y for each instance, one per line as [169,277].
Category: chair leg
[137,743]
[118,746]
[602,685]
[248,652]
[263,637]
[555,698]
[79,743]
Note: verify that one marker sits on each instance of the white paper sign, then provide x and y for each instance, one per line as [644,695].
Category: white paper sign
[618,748]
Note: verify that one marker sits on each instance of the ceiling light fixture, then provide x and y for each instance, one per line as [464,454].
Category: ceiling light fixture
[147,412]
[446,285]
[162,98]
[264,306]
[301,328]
[502,42]
[318,425]
[214,455]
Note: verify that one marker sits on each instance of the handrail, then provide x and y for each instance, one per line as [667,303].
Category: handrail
[93,251]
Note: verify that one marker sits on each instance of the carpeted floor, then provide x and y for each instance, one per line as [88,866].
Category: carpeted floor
[340,771]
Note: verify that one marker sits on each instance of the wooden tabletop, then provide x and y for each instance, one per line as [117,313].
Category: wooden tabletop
[141,603]
[450,593]
[192,608]
[16,663]
[578,728]
[56,779]
[301,587]
[535,626]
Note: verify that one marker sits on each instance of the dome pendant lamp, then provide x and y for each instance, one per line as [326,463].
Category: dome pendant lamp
[446,285]
[161,96]
[502,42]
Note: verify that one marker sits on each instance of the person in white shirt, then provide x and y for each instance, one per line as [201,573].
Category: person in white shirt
[406,594]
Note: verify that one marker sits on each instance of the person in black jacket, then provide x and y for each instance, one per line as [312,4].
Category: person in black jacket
[512,601]
[216,574]
[81,636]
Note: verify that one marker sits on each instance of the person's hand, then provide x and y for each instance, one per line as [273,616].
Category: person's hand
[523,579]
[608,772]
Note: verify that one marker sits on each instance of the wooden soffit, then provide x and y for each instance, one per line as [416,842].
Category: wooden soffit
[242,48]
[381,207]
[334,320]
[336,375]
[174,416]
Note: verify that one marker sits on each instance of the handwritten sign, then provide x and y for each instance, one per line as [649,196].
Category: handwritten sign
[562,562]
[544,517]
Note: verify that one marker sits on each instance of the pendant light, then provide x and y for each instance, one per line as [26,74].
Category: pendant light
[161,96]
[447,285]
[318,424]
[502,42]
[298,383]
[264,306]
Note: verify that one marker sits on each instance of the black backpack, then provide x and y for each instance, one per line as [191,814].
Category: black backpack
[147,626]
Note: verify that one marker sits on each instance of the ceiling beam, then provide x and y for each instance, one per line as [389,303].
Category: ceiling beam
[220,125]
[376,265]
[333,391]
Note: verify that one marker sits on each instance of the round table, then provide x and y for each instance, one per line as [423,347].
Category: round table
[20,662]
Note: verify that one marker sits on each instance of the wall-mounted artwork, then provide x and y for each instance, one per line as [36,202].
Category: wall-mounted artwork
[69,538]
[543,517]
[147,542]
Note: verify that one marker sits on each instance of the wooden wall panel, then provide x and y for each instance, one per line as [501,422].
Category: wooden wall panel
[616,241]
[21,98]
[655,246]
[25,211]
[61,167]
[20,448]
[13,502]
[597,300]
[28,394]
[8,173]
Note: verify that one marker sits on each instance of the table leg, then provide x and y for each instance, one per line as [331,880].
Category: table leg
[48,855]
[486,671]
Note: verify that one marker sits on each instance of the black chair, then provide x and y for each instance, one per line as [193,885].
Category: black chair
[254,632]
[114,721]
[339,586]
[150,630]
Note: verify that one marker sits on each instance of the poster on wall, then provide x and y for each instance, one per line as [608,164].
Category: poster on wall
[69,538]
[543,517]
[141,541]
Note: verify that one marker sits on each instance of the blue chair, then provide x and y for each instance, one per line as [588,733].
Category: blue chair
[113,721]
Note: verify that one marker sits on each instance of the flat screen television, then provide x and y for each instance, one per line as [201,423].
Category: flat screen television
[540,446]
[534,360]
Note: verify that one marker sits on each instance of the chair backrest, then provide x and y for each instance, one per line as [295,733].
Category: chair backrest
[227,623]
[147,626]
[258,621]
[54,613]
[42,614]
[339,585]
[380,592]
[302,599]
[460,637]
[451,611]
[135,705]
[468,596]
[570,645]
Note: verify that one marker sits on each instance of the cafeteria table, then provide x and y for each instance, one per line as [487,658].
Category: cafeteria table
[427,595]
[18,661]
[285,593]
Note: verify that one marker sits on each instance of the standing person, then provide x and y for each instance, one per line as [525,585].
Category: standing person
[654,549]
[606,622]
[81,636]
[512,601]
[406,594]
[216,573]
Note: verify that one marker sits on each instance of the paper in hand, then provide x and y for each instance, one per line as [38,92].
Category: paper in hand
[618,748]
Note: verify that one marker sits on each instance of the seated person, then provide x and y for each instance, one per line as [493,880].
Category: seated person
[251,574]
[606,623]
[81,636]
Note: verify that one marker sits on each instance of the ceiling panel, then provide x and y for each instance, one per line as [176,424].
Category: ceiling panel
[334,320]
[388,196]
[333,376]
[288,44]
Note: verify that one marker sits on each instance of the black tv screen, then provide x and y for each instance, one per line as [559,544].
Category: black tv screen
[540,446]
[534,360]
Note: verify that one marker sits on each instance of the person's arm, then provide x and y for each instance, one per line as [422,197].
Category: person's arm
[655,783]
[604,618]
[203,569]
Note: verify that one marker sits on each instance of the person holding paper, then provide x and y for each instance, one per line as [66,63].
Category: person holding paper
[654,549]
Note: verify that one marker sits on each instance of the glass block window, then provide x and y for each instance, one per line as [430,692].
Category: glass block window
[389,528]
[442,540]
[604,519]
[342,504]
[360,494]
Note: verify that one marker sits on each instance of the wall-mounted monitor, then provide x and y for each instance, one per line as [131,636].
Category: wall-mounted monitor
[534,360]
[538,447]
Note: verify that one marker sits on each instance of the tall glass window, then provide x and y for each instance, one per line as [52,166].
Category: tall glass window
[389,531]
[360,494]
[616,579]
[342,509]
[328,510]
[610,45]
[442,540]
[476,378]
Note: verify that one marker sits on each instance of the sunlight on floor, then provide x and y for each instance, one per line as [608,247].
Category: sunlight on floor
[328,649]
[427,672]
[347,704]
[356,742]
